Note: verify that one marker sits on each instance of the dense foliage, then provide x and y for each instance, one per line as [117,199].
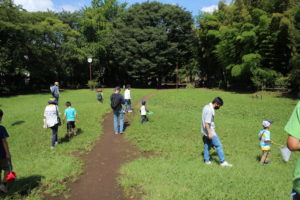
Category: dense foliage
[251,43]
[245,44]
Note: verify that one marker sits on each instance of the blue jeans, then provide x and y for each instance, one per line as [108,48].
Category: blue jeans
[127,104]
[54,134]
[118,117]
[214,142]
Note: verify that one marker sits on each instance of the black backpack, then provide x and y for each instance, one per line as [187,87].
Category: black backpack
[115,101]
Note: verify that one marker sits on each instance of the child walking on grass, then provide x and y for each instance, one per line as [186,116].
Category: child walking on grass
[144,111]
[100,95]
[265,142]
[70,115]
[5,159]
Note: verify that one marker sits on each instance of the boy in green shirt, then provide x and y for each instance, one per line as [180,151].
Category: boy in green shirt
[293,143]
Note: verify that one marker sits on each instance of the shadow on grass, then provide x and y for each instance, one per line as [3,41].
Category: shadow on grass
[65,139]
[126,124]
[17,123]
[22,186]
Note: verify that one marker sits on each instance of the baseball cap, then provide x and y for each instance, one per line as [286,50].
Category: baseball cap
[52,100]
[266,123]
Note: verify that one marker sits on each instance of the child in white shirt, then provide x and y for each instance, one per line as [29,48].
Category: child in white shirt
[144,111]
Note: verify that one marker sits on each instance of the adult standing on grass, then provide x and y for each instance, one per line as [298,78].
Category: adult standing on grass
[210,138]
[116,101]
[51,114]
[5,160]
[55,91]
[293,129]
[127,98]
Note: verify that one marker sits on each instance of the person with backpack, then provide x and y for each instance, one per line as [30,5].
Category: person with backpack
[100,95]
[116,101]
[55,91]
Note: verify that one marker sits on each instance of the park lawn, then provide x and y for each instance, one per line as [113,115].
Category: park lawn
[40,169]
[175,169]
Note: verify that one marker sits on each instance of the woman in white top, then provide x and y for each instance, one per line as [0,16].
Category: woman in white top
[127,100]
[51,114]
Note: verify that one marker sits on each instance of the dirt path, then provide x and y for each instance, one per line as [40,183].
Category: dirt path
[99,180]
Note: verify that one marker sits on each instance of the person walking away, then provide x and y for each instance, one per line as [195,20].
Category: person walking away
[265,142]
[100,95]
[116,101]
[70,114]
[210,138]
[293,143]
[51,114]
[55,91]
[144,111]
[127,98]
[5,157]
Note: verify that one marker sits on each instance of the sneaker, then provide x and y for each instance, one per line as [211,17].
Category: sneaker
[3,188]
[226,164]
[207,163]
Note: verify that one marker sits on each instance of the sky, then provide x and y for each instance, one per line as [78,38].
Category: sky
[194,6]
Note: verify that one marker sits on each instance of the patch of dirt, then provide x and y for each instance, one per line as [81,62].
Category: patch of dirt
[102,164]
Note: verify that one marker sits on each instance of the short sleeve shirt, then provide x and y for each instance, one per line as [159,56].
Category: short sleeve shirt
[70,114]
[293,129]
[3,135]
[264,136]
[208,116]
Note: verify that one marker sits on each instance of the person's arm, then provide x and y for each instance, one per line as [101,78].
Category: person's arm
[207,127]
[5,145]
[293,143]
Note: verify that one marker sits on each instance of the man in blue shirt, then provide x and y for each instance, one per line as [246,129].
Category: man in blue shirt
[55,90]
[4,154]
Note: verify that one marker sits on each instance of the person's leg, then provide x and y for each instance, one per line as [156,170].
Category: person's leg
[129,105]
[116,120]
[216,142]
[126,105]
[264,157]
[207,147]
[69,129]
[142,118]
[74,129]
[54,135]
[121,118]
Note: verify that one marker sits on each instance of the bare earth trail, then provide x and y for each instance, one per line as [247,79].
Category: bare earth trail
[102,164]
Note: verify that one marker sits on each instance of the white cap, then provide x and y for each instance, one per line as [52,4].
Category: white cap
[266,123]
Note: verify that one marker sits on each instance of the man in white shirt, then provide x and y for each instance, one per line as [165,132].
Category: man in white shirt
[210,138]
[127,99]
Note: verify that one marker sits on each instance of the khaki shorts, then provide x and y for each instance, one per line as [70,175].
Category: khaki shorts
[4,164]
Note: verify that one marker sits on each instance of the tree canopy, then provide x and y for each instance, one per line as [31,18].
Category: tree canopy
[244,44]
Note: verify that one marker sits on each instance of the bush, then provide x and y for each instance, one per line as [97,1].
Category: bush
[190,85]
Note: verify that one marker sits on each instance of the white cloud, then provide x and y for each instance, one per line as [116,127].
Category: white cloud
[209,9]
[36,5]
[68,8]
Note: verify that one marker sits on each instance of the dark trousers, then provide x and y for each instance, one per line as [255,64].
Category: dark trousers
[144,118]
[54,134]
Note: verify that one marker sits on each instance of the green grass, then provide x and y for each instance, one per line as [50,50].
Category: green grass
[176,171]
[40,169]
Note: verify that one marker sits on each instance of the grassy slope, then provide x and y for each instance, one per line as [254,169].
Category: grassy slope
[29,143]
[177,171]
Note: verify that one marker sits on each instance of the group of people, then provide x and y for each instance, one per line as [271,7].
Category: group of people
[116,102]
[210,139]
[52,119]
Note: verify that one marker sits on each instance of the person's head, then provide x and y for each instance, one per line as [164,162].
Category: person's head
[52,100]
[68,104]
[217,103]
[99,89]
[128,86]
[143,103]
[117,89]
[266,124]
[56,83]
[1,115]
